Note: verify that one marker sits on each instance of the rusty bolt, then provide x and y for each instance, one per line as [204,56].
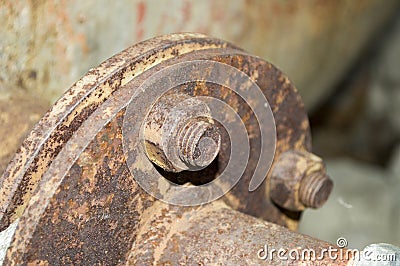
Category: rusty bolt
[199,143]
[299,180]
[315,189]
[180,134]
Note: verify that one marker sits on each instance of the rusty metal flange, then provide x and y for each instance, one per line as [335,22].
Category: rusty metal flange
[74,182]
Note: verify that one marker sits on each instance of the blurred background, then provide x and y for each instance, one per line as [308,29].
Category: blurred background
[343,56]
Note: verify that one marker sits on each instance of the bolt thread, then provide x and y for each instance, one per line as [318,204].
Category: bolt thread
[190,138]
[315,189]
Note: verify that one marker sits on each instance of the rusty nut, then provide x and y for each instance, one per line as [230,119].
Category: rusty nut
[299,180]
[180,134]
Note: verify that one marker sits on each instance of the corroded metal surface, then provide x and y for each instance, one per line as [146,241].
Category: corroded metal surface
[47,45]
[215,234]
[71,186]
[180,133]
[56,128]
[299,180]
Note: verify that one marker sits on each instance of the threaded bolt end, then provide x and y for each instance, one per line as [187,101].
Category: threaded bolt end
[315,189]
[199,142]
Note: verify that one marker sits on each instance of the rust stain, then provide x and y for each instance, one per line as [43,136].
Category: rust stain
[186,11]
[140,13]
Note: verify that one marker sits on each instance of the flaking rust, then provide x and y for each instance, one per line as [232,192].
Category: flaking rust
[78,203]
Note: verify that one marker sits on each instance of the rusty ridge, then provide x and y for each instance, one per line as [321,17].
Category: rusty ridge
[80,203]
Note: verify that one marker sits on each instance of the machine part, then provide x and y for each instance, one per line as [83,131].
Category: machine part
[180,134]
[75,184]
[299,180]
[214,234]
[62,40]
